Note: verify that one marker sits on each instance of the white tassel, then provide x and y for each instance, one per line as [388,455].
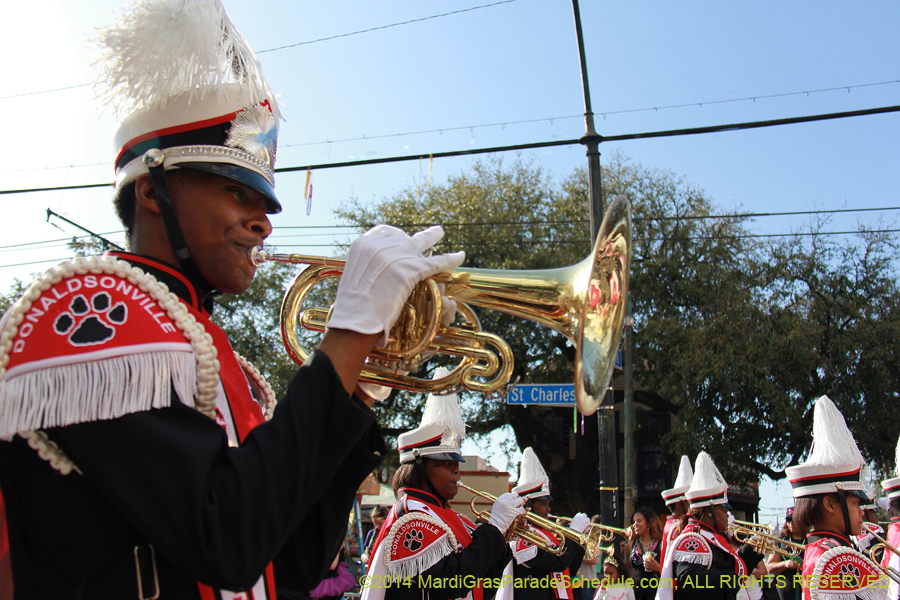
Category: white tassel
[706,475]
[531,469]
[443,410]
[163,48]
[94,391]
[897,460]
[833,444]
[695,558]
[685,474]
[401,570]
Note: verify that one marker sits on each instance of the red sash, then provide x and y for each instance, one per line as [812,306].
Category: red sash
[562,580]
[670,532]
[246,415]
[893,538]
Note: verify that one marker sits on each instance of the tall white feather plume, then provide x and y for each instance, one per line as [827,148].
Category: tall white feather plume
[706,474]
[897,460]
[444,411]
[833,444]
[531,469]
[685,474]
[164,48]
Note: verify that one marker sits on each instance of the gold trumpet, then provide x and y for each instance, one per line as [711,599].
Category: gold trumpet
[519,529]
[591,540]
[767,528]
[606,532]
[585,302]
[763,542]
[883,543]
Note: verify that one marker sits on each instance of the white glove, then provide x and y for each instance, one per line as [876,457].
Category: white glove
[580,523]
[505,510]
[383,267]
[884,503]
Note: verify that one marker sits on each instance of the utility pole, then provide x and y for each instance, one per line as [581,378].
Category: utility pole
[628,417]
[607,466]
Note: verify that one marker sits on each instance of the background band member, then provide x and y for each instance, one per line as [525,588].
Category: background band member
[870,528]
[133,443]
[424,544]
[892,492]
[677,504]
[786,567]
[704,564]
[827,493]
[532,564]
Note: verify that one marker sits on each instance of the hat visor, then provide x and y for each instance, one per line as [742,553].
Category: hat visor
[548,498]
[445,456]
[251,179]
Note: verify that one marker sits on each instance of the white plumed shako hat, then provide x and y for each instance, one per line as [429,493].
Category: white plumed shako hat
[185,82]
[708,487]
[834,460]
[441,432]
[682,483]
[533,481]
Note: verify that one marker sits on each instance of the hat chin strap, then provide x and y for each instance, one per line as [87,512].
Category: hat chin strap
[154,159]
[842,498]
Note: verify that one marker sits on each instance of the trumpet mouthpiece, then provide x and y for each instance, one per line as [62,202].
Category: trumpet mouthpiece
[257,255]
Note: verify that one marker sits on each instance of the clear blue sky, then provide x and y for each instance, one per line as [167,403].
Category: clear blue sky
[513,61]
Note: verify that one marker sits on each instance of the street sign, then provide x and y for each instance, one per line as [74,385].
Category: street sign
[543,394]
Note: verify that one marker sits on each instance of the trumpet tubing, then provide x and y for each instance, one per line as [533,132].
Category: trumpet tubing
[516,529]
[584,302]
[889,571]
[763,542]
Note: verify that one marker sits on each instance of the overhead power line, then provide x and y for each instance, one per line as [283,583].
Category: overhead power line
[476,151]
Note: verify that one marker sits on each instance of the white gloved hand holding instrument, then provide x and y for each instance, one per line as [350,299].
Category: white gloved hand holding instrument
[506,509]
[382,268]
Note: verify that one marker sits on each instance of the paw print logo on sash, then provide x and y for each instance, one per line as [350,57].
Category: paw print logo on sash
[842,572]
[692,548]
[415,542]
[91,323]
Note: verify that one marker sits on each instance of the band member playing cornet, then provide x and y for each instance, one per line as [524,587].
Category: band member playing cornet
[827,494]
[425,548]
[532,564]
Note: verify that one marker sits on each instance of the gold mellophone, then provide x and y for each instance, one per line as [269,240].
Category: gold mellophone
[585,302]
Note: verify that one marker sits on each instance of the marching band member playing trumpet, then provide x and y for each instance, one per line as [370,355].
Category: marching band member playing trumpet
[871,531]
[533,567]
[426,549]
[134,450]
[827,494]
[704,565]
[892,492]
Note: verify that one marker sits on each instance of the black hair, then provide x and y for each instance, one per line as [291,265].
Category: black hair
[808,510]
[124,202]
[407,475]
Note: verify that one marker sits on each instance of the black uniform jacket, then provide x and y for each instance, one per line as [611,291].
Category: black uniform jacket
[167,477]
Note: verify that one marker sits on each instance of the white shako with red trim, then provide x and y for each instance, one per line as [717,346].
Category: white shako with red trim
[440,434]
[533,481]
[834,461]
[682,483]
[708,487]
[183,80]
[892,486]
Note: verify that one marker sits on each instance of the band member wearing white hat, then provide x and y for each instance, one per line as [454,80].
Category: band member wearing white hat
[135,458]
[541,575]
[827,494]
[677,503]
[704,565]
[426,549]
[892,492]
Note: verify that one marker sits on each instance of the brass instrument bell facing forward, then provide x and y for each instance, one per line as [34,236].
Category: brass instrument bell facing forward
[585,302]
